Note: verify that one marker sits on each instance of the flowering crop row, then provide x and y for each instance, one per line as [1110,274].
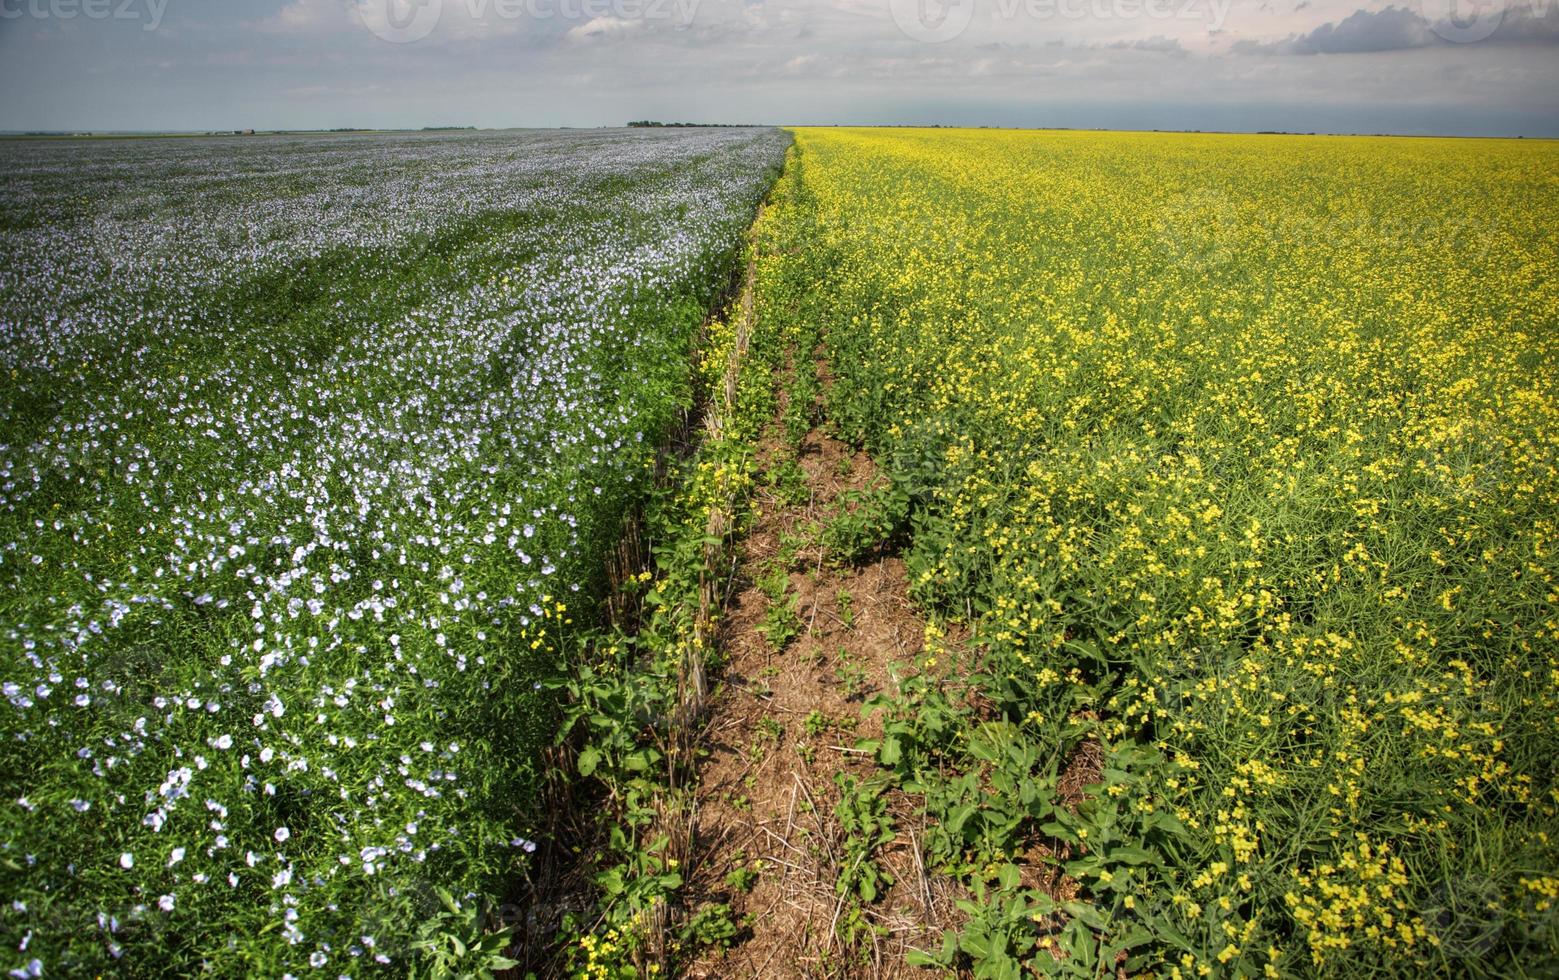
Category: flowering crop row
[311,453]
[1238,454]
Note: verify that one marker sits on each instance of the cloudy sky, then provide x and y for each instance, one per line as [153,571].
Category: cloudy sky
[1460,67]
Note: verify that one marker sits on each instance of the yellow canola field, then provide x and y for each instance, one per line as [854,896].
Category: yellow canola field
[1239,455]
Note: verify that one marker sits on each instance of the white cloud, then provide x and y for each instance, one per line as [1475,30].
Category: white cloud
[604,28]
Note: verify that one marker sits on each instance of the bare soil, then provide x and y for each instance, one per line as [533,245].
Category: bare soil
[767,792]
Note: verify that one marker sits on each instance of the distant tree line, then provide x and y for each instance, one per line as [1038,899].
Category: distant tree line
[655,124]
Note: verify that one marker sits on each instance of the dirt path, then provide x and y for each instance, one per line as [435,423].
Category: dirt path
[781,732]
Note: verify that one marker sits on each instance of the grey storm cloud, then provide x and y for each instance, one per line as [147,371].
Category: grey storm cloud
[1401,29]
[1392,29]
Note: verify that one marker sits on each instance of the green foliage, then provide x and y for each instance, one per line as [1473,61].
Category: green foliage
[863,816]
[788,481]
[782,620]
[711,925]
[774,582]
[998,939]
[850,674]
[741,879]
[864,522]
[801,406]
[617,715]
[770,728]
[860,880]
[846,604]
[456,945]
[781,623]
